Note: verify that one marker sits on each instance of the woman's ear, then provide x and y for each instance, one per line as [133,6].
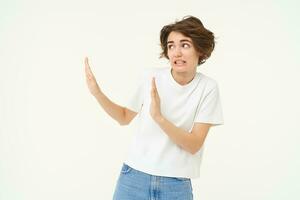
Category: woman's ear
[202,56]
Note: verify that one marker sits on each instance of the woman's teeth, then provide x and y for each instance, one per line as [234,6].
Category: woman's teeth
[179,62]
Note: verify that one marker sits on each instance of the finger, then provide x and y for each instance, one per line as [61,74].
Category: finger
[153,90]
[154,87]
[153,95]
[86,63]
[88,73]
[154,84]
[87,68]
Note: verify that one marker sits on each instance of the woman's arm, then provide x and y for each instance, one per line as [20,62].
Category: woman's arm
[121,114]
[190,142]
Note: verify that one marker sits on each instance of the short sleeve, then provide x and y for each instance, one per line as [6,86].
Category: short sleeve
[136,99]
[210,108]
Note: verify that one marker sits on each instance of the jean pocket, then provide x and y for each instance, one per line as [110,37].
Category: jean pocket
[125,169]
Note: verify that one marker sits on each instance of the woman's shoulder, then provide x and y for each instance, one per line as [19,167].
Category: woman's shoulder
[210,83]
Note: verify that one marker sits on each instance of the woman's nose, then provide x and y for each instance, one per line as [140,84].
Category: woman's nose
[178,52]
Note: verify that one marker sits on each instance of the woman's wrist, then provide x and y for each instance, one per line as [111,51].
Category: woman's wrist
[159,119]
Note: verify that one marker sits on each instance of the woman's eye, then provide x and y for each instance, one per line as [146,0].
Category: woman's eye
[185,45]
[170,47]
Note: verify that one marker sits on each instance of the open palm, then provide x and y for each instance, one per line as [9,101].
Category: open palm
[90,79]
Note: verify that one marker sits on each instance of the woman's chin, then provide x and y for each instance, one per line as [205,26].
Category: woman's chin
[180,68]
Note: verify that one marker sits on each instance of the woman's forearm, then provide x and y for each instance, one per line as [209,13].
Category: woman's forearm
[115,111]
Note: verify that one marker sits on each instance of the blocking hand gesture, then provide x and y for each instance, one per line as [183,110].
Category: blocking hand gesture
[155,102]
[90,79]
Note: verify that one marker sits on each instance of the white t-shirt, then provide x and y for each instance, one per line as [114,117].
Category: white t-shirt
[151,150]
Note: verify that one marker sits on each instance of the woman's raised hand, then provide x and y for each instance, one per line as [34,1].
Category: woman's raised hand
[155,102]
[90,79]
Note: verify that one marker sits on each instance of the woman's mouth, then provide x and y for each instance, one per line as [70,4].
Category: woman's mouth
[179,62]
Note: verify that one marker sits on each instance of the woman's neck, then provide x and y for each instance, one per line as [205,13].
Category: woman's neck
[183,78]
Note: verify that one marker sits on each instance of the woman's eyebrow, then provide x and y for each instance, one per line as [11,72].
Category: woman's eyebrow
[184,40]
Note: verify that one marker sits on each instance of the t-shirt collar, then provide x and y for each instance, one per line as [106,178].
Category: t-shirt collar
[177,85]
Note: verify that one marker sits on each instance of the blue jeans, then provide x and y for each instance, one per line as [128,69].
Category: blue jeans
[136,185]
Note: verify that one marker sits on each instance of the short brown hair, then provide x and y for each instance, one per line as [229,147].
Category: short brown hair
[203,39]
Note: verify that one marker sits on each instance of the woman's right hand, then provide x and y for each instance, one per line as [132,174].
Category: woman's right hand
[90,79]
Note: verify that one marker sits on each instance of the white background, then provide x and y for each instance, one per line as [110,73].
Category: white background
[57,143]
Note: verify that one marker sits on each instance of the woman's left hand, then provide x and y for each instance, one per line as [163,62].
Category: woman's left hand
[155,103]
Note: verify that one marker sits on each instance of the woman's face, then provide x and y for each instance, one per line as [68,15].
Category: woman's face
[181,52]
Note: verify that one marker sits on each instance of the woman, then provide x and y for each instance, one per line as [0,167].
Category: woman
[177,106]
